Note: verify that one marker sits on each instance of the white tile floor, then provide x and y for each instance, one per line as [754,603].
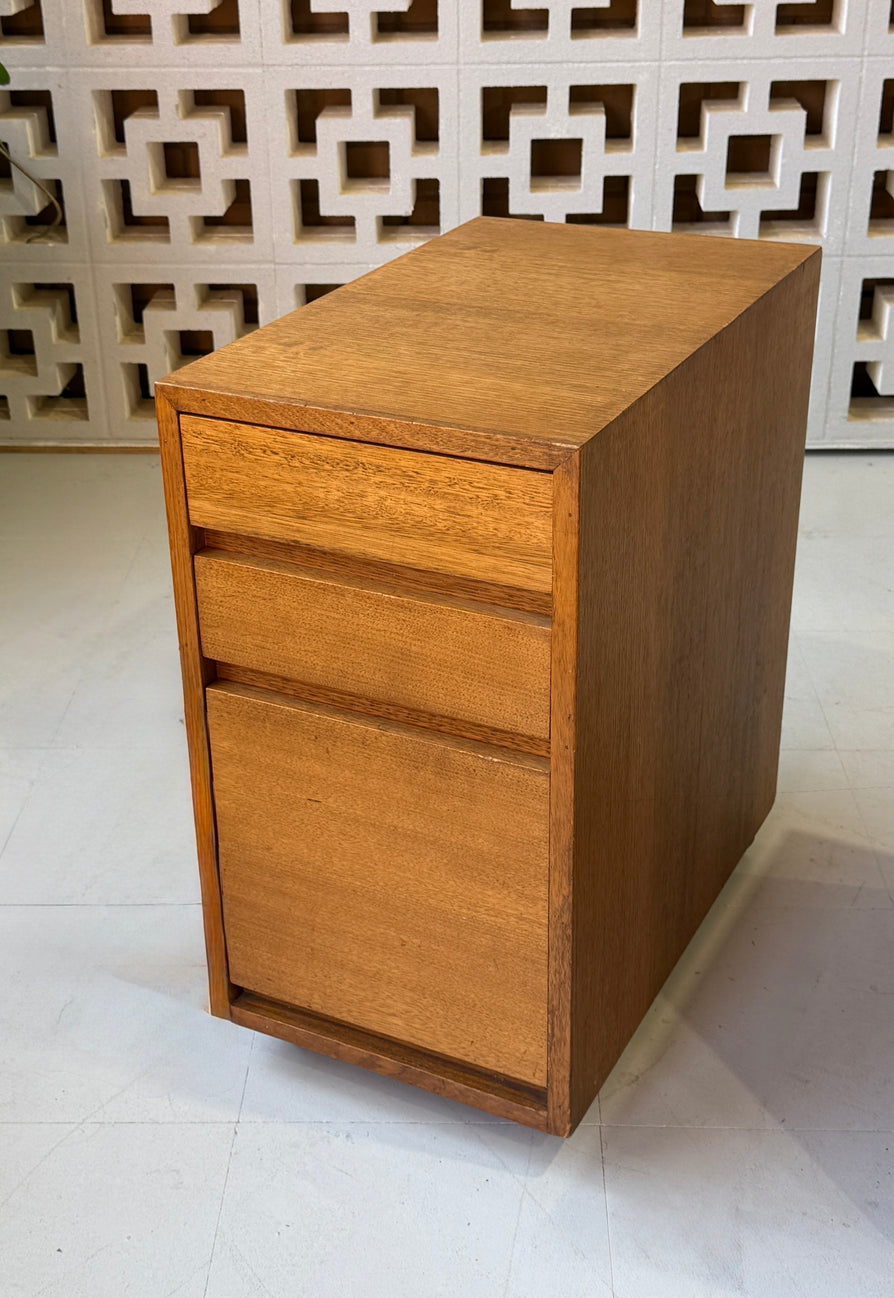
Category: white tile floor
[744,1144]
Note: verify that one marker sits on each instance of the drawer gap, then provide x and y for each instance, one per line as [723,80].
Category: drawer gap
[378,586]
[342,701]
[379,572]
[288,697]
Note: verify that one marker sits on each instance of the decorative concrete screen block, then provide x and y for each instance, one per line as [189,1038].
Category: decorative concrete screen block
[49,352]
[577,149]
[236,158]
[38,354]
[767,157]
[157,326]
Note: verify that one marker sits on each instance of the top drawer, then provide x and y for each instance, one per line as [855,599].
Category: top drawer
[488,522]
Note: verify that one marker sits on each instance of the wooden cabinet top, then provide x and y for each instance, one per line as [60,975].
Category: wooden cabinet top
[506,340]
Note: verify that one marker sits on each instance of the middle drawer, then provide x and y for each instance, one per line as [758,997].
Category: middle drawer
[441,656]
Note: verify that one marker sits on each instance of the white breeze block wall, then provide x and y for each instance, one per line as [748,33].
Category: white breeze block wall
[220,162]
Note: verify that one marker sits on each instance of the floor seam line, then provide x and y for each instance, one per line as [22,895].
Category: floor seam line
[608,1228]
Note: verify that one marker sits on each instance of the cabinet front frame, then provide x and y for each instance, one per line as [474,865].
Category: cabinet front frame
[532,1106]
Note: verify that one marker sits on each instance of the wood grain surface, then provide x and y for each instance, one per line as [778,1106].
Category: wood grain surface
[387,582]
[449,657]
[343,701]
[687,525]
[378,875]
[484,521]
[506,340]
[196,672]
[351,567]
[563,761]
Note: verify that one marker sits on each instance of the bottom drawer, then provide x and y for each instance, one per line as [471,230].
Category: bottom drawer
[384,876]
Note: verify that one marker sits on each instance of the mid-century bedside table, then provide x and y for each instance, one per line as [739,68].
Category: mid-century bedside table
[483,569]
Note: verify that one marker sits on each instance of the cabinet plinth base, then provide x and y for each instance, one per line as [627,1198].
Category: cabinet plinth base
[504,1097]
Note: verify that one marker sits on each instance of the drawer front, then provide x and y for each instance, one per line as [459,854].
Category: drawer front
[481,521]
[383,877]
[435,656]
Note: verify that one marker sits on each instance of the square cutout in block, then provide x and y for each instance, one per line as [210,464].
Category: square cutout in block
[419,21]
[17,352]
[306,25]
[307,293]
[311,223]
[556,160]
[367,163]
[750,160]
[181,160]
[25,25]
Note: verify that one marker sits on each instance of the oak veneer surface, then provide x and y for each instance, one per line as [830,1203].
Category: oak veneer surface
[687,523]
[522,453]
[385,877]
[449,657]
[483,521]
[196,672]
[381,574]
[509,340]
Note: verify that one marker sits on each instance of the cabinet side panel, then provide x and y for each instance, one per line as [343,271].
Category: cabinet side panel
[196,673]
[689,507]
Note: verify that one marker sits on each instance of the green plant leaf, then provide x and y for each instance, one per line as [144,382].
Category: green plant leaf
[4,76]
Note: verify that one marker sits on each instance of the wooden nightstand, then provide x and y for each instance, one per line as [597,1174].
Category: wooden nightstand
[483,571]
